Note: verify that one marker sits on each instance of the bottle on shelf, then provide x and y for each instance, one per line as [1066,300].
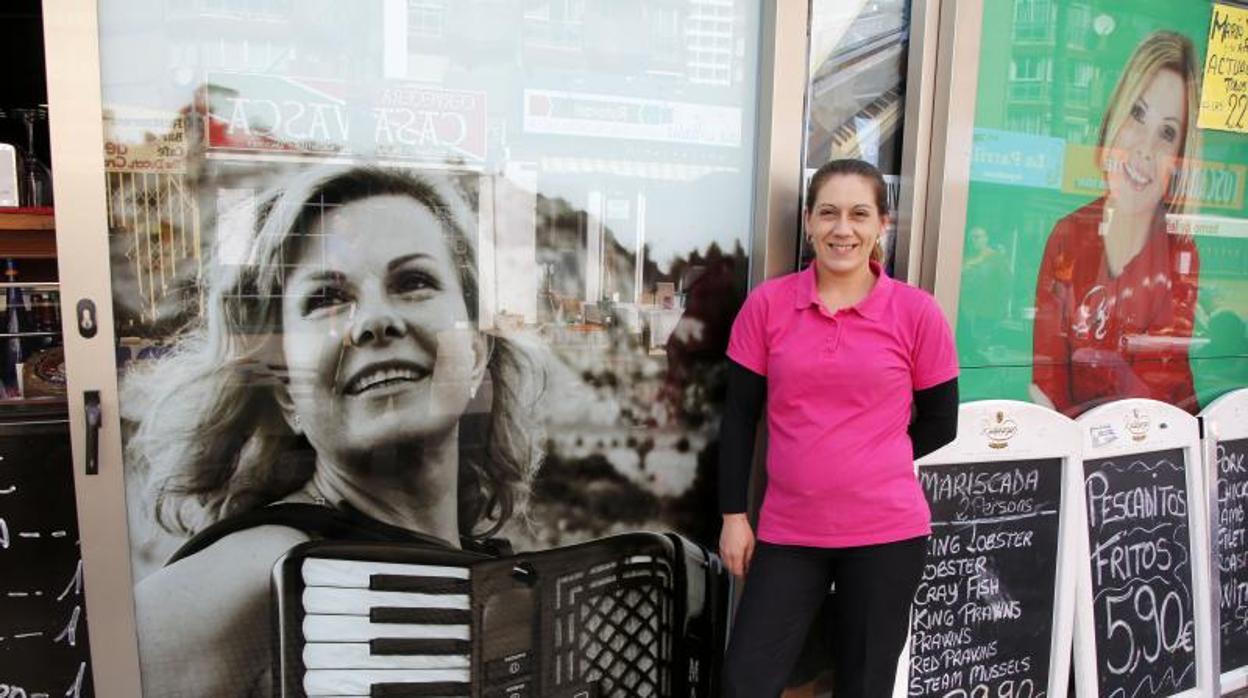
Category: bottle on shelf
[35,177]
[10,190]
[13,326]
[43,320]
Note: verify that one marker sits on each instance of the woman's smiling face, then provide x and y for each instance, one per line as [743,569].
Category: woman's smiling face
[844,224]
[1144,152]
[376,333]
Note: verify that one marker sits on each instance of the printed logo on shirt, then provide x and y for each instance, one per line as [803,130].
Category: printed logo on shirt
[1137,425]
[1000,430]
[1092,315]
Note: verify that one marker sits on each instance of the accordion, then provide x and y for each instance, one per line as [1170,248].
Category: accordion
[634,615]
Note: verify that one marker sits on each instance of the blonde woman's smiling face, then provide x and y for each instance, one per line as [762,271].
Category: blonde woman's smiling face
[1144,153]
[376,337]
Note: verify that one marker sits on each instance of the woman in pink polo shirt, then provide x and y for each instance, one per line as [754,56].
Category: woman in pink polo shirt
[842,357]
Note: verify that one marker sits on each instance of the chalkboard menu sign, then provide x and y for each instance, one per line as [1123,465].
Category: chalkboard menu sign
[43,623]
[983,616]
[1142,573]
[1232,541]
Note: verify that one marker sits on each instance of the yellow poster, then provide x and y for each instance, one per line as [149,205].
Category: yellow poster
[1224,91]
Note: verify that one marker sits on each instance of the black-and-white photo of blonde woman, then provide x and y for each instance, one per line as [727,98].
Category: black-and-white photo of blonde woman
[335,386]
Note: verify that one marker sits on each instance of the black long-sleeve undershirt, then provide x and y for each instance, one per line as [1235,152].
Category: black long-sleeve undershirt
[935,424]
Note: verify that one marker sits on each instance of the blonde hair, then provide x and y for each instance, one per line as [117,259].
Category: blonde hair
[1161,50]
[208,429]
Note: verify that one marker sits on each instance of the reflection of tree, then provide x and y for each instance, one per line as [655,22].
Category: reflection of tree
[695,380]
[714,286]
[643,447]
[695,513]
[587,495]
[665,405]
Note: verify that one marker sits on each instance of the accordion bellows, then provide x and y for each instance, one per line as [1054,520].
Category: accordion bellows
[634,615]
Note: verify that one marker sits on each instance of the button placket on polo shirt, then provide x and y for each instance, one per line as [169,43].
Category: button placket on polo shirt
[834,321]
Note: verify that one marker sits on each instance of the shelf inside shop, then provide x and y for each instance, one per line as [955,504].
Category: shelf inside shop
[28,232]
[36,409]
[30,218]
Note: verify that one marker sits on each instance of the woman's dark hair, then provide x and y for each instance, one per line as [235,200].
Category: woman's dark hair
[849,166]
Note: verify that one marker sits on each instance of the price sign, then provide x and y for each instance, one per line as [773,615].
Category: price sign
[993,611]
[1143,624]
[1224,89]
[1225,423]
[43,622]
[1141,567]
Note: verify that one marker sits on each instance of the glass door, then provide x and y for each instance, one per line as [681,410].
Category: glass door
[443,285]
[869,94]
[856,95]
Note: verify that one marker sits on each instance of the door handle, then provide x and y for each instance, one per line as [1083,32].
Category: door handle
[91,405]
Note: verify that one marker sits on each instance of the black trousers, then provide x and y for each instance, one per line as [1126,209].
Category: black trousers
[784,587]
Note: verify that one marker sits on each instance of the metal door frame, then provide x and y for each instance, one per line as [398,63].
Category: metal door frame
[71,36]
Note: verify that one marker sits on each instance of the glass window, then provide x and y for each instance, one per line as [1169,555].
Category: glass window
[856,93]
[466,269]
[1098,259]
[426,18]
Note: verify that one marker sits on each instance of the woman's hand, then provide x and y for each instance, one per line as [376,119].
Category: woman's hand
[736,543]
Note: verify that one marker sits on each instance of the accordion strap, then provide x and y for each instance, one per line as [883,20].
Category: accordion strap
[322,522]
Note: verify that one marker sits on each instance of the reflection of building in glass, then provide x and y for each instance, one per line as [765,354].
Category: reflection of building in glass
[1051,71]
[426,19]
[857,75]
[507,251]
[555,24]
[274,37]
[254,10]
[709,41]
[1033,21]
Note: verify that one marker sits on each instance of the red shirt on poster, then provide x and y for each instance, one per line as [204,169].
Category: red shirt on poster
[1100,337]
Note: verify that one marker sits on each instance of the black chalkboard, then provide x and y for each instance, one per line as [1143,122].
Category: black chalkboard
[1232,537]
[983,614]
[1142,578]
[43,623]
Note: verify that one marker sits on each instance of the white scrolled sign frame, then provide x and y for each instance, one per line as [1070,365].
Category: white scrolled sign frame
[1005,431]
[1225,419]
[1121,430]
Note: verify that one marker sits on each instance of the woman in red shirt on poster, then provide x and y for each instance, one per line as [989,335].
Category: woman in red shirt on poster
[1116,290]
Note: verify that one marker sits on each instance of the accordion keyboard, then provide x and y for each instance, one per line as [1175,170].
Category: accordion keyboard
[385,629]
[638,615]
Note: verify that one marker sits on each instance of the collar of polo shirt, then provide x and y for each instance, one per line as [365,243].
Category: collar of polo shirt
[806,292]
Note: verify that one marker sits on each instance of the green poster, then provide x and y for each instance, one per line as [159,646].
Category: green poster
[1106,245]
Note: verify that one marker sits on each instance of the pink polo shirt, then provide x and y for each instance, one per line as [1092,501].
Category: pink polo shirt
[840,465]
